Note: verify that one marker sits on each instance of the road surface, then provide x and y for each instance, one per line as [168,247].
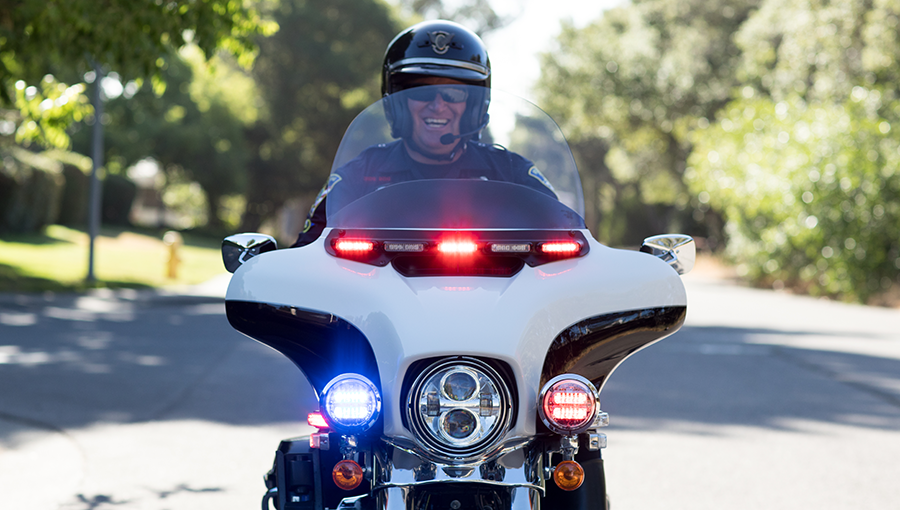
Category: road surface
[134,400]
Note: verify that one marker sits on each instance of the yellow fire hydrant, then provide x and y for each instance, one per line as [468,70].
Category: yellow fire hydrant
[173,241]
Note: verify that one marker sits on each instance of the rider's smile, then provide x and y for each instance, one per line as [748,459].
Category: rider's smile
[435,118]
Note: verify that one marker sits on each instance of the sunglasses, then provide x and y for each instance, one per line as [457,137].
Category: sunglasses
[429,93]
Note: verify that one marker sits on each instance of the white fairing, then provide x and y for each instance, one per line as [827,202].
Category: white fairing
[512,319]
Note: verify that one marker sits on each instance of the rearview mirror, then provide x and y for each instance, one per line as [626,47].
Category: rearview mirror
[240,248]
[678,250]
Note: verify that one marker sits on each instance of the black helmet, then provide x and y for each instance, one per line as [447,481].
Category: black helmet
[436,48]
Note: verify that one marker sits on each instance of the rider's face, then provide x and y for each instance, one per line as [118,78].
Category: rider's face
[435,118]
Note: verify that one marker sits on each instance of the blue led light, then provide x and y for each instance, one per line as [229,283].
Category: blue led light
[351,402]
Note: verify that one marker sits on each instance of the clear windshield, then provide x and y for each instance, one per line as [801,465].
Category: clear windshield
[416,160]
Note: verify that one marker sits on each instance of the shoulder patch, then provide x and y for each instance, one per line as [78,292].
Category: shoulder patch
[534,172]
[333,179]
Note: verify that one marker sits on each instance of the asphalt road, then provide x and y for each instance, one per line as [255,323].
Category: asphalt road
[763,400]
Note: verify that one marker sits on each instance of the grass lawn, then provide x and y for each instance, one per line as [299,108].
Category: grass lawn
[57,260]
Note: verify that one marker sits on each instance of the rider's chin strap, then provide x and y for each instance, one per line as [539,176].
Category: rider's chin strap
[437,157]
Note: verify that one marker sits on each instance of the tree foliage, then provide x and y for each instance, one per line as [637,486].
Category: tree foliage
[805,164]
[628,88]
[314,76]
[43,113]
[195,130]
[477,15]
[811,193]
[63,38]
[780,117]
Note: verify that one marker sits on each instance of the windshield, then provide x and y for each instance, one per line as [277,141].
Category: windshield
[415,160]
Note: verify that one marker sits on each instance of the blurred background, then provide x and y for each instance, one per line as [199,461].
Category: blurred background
[768,130]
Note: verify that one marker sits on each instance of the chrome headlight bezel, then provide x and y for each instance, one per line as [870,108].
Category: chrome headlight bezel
[455,418]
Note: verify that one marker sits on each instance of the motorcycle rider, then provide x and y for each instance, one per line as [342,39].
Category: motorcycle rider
[444,72]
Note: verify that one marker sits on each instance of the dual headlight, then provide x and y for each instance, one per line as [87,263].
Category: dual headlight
[459,407]
[351,403]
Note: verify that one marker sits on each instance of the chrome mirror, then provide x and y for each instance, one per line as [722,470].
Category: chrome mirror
[240,248]
[678,250]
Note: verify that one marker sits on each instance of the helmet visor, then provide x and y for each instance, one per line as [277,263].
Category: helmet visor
[475,74]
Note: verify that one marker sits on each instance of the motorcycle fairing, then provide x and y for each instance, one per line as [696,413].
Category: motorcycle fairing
[322,345]
[408,319]
[594,347]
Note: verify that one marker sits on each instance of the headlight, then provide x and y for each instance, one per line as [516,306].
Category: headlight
[459,407]
[568,404]
[351,403]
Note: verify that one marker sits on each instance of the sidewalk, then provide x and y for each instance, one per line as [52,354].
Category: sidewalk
[714,292]
[28,445]
[211,291]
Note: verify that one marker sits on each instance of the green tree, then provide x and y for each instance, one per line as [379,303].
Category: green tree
[314,76]
[477,15]
[806,162]
[195,130]
[820,49]
[628,88]
[40,39]
[811,193]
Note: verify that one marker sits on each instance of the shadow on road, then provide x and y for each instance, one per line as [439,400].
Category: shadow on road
[71,363]
[755,377]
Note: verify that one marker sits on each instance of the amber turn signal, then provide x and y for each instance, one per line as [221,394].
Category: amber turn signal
[348,475]
[568,475]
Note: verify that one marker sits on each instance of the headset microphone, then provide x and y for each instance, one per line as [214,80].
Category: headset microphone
[450,138]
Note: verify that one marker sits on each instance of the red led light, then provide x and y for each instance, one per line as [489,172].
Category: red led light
[353,246]
[569,413]
[457,247]
[316,420]
[561,247]
[569,405]
[570,397]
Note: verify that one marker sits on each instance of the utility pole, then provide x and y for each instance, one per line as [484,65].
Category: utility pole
[97,156]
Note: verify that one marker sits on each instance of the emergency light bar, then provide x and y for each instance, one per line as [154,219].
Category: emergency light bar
[456,253]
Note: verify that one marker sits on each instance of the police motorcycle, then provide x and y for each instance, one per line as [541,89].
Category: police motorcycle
[457,331]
